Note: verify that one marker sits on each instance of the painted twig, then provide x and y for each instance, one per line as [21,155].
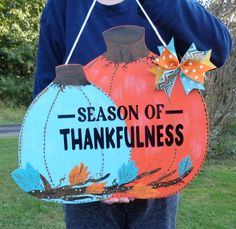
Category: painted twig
[69,194]
[67,190]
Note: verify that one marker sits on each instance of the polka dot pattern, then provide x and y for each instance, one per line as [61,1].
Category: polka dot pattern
[192,67]
[189,84]
[167,60]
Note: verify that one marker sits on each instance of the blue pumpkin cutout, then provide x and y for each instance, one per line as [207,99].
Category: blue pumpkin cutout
[65,154]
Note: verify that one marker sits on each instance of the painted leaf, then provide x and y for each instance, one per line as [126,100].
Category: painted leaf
[184,166]
[46,184]
[142,191]
[78,174]
[127,173]
[96,188]
[27,179]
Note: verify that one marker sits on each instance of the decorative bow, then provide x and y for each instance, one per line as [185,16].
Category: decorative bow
[191,69]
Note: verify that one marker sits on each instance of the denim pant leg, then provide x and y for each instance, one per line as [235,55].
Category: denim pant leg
[94,216]
[139,214]
[153,214]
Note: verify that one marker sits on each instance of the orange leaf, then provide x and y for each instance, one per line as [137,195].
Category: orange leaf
[142,191]
[95,188]
[78,174]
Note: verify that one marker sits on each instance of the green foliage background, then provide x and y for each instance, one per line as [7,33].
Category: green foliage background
[19,26]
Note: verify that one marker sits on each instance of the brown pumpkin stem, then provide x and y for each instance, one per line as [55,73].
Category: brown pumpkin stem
[125,44]
[71,75]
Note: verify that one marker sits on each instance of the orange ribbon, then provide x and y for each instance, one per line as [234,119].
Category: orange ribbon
[194,69]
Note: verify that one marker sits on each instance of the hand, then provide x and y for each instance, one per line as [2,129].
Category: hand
[122,200]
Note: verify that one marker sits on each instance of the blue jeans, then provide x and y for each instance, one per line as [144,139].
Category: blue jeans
[139,214]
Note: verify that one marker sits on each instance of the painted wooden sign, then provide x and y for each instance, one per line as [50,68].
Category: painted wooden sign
[108,130]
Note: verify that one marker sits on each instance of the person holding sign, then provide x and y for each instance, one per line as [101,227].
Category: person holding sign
[186,20]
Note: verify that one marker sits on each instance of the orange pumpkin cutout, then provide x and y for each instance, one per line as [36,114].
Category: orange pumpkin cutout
[168,135]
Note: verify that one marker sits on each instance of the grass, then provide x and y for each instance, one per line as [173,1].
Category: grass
[11,115]
[209,202]
[17,209]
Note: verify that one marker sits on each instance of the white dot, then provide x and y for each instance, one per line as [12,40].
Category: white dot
[172,64]
[166,66]
[190,63]
[171,56]
[201,66]
[157,60]
[186,70]
[163,57]
[196,77]
[194,70]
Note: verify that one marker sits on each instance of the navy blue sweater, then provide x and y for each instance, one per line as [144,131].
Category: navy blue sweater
[186,20]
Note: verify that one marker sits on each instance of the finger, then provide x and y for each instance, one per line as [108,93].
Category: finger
[111,201]
[124,200]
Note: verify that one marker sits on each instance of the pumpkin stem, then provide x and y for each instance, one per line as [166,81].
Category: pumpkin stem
[125,43]
[71,74]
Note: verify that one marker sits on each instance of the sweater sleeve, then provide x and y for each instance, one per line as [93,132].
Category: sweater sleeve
[50,48]
[188,21]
